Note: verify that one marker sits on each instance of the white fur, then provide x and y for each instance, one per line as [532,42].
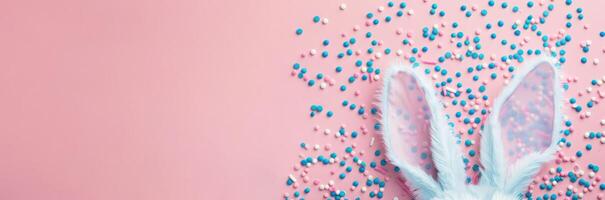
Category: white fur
[497,183]
[519,175]
[423,185]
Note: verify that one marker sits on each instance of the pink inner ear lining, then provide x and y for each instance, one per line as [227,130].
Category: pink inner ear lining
[413,126]
[527,115]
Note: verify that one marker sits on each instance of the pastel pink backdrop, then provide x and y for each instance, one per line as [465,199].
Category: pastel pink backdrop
[153,99]
[147,99]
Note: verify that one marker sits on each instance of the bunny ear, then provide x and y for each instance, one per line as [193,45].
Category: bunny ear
[416,134]
[523,131]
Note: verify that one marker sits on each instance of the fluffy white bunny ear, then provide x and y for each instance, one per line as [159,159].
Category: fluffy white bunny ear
[523,131]
[416,134]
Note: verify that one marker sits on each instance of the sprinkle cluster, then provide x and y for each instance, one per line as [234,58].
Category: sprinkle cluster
[470,50]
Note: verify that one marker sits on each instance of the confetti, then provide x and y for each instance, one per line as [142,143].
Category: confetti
[470,51]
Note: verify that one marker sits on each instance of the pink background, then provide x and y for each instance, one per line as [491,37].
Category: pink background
[170,99]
